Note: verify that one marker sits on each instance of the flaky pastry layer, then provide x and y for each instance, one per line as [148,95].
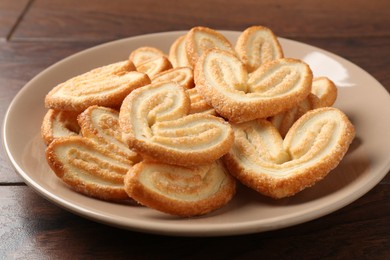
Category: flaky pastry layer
[199,39]
[145,54]
[323,94]
[101,125]
[279,168]
[178,190]
[59,123]
[198,103]
[155,123]
[178,53]
[183,76]
[257,45]
[154,66]
[103,86]
[222,79]
[88,168]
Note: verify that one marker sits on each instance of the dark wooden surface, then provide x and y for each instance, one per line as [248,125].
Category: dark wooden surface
[37,33]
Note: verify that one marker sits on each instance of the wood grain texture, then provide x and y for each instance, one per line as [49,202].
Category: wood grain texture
[37,33]
[10,13]
[76,20]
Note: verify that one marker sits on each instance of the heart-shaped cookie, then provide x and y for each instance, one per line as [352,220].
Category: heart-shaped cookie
[222,79]
[257,45]
[279,168]
[179,190]
[155,123]
[199,39]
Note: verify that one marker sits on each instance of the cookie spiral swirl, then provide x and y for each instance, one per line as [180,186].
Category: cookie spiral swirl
[95,163]
[59,123]
[279,168]
[257,45]
[199,39]
[155,123]
[180,190]
[103,86]
[323,94]
[178,54]
[101,125]
[88,168]
[181,75]
[235,94]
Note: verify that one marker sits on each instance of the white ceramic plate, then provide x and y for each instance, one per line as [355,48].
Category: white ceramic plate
[361,97]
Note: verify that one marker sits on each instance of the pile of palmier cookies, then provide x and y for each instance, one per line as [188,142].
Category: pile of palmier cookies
[176,131]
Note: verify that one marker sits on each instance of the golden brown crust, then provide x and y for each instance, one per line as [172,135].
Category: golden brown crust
[104,86]
[276,86]
[155,123]
[144,54]
[57,124]
[278,168]
[153,67]
[198,103]
[87,168]
[200,39]
[257,45]
[180,191]
[323,94]
[101,125]
[181,75]
[325,91]
[178,54]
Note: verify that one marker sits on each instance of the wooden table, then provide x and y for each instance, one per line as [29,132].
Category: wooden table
[37,33]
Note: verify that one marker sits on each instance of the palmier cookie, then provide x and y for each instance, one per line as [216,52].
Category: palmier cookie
[155,66]
[200,39]
[257,45]
[179,190]
[59,123]
[104,86]
[88,168]
[323,94]
[154,122]
[221,78]
[183,76]
[145,54]
[279,168]
[100,124]
[198,104]
[178,54]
